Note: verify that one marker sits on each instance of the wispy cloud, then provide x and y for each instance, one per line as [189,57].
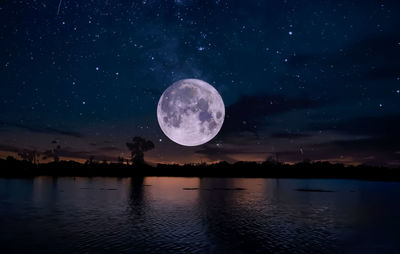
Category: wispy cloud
[41,129]
[248,113]
[289,135]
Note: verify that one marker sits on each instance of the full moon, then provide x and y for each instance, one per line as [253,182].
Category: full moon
[190,112]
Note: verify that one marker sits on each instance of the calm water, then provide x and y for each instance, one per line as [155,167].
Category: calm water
[160,215]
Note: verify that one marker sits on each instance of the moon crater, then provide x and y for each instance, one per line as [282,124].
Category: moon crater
[190,112]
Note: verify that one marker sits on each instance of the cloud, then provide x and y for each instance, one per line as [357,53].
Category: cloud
[42,129]
[375,151]
[374,57]
[366,150]
[372,145]
[9,148]
[379,48]
[109,149]
[383,73]
[288,135]
[232,152]
[376,126]
[248,113]
[379,53]
[372,140]
[215,153]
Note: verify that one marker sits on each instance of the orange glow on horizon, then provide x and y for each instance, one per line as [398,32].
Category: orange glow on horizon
[350,161]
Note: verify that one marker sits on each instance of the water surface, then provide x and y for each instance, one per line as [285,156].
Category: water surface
[198,215]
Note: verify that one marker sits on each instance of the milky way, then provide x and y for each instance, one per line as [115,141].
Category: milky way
[321,77]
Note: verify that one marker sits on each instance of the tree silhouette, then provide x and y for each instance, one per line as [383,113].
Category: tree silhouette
[10,158]
[91,160]
[271,160]
[120,160]
[138,147]
[52,153]
[31,156]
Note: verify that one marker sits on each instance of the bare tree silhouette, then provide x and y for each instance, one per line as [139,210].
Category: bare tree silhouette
[91,160]
[138,147]
[52,153]
[120,160]
[31,156]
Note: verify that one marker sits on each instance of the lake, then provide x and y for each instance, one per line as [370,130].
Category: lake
[198,215]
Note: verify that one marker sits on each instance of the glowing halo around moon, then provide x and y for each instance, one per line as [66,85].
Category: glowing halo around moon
[190,112]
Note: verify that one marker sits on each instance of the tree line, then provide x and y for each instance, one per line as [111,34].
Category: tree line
[137,148]
[29,166]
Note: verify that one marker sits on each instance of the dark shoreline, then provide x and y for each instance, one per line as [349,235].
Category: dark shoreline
[304,170]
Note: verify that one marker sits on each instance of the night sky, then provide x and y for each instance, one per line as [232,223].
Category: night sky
[300,79]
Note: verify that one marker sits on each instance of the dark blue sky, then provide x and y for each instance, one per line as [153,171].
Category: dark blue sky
[300,79]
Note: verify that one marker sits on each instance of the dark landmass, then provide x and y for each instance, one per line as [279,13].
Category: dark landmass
[226,189]
[313,190]
[21,168]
